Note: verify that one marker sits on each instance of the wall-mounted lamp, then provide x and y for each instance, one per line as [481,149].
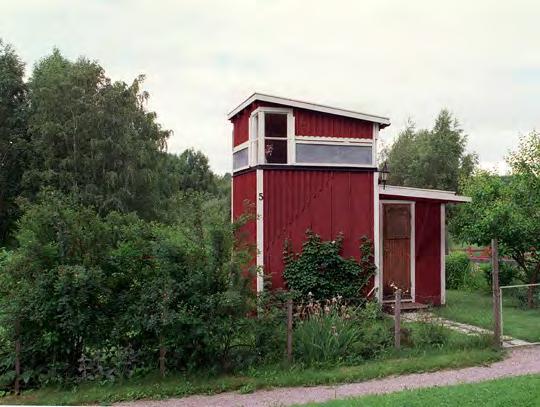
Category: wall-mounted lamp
[383,175]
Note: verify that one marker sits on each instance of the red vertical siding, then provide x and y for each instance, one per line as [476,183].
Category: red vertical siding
[327,202]
[317,124]
[428,252]
[243,202]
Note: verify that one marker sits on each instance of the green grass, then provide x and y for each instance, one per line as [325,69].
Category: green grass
[152,387]
[475,308]
[516,391]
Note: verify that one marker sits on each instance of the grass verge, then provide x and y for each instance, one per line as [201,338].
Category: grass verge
[514,391]
[152,387]
[475,308]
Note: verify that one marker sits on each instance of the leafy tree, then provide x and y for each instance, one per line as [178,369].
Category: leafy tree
[507,208]
[13,104]
[433,158]
[93,137]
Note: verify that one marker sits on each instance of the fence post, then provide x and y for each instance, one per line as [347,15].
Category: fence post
[496,293]
[17,384]
[162,353]
[289,329]
[397,320]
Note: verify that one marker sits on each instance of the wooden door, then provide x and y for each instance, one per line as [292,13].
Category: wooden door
[396,249]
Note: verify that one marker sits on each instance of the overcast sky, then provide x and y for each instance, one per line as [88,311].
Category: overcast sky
[399,59]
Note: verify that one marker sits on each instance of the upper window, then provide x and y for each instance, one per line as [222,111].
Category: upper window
[333,154]
[272,140]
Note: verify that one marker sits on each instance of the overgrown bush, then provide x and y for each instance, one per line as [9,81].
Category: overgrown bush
[321,270]
[457,267]
[101,297]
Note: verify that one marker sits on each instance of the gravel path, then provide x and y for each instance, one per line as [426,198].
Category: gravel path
[520,361]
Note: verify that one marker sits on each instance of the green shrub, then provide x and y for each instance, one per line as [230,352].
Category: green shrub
[325,339]
[475,280]
[321,270]
[507,273]
[457,267]
[334,332]
[96,297]
[429,334]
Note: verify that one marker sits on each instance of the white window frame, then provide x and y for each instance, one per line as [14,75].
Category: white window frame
[240,147]
[261,137]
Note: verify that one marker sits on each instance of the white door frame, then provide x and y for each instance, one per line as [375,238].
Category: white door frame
[412,245]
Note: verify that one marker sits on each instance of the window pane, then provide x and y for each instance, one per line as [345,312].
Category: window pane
[333,154]
[275,151]
[275,125]
[240,159]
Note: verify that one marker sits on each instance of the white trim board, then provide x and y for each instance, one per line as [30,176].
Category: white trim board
[408,192]
[412,248]
[260,230]
[377,282]
[384,121]
[443,254]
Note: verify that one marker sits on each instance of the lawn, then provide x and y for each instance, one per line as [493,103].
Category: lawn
[152,387]
[516,391]
[475,308]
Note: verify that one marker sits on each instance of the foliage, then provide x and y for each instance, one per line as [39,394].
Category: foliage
[99,142]
[458,266]
[13,109]
[337,332]
[429,333]
[475,279]
[71,128]
[321,270]
[433,158]
[96,297]
[507,209]
[508,273]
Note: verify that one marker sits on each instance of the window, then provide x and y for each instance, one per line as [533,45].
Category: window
[333,154]
[275,138]
[240,159]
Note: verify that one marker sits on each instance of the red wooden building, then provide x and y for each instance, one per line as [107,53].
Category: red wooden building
[308,166]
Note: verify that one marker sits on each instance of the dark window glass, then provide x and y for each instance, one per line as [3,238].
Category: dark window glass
[275,125]
[275,151]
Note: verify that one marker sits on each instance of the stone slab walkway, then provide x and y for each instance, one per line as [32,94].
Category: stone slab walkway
[520,361]
[508,341]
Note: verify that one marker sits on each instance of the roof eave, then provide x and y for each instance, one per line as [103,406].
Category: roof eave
[408,192]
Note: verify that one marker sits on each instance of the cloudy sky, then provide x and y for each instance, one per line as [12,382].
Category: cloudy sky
[400,59]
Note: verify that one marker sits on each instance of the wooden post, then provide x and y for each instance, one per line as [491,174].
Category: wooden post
[397,320]
[496,293]
[289,329]
[162,353]
[17,384]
